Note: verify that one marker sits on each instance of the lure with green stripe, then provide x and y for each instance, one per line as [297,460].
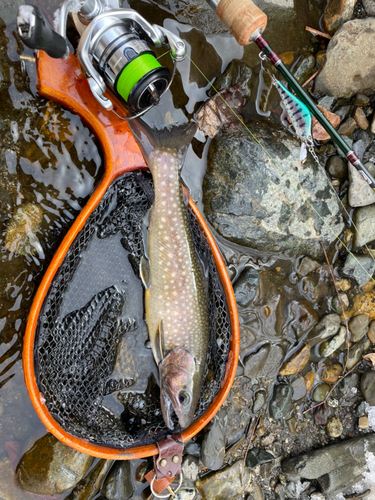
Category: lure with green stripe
[299,115]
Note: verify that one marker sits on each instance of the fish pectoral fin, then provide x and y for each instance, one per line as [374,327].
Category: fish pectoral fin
[145,271]
[303,152]
[160,342]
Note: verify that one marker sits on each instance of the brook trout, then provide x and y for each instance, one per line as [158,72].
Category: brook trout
[176,297]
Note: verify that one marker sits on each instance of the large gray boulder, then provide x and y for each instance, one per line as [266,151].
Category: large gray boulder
[350,66]
[248,199]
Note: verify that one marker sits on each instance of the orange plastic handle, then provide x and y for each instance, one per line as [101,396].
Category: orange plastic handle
[242,17]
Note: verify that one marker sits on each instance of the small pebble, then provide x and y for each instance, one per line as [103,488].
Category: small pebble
[344,285]
[320,392]
[309,380]
[342,304]
[360,118]
[333,403]
[334,427]
[358,326]
[297,362]
[348,127]
[336,167]
[371,332]
[331,374]
[361,100]
[363,423]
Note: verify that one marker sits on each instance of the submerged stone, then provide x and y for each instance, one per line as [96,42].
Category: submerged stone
[225,483]
[368,387]
[281,402]
[246,287]
[20,234]
[118,483]
[327,327]
[50,467]
[257,456]
[249,201]
[297,362]
[213,446]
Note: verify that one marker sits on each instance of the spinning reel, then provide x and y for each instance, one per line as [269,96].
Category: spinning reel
[112,50]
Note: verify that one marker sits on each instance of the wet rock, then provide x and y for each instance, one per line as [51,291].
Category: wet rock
[265,363]
[372,128]
[327,327]
[350,67]
[327,101]
[320,392]
[369,6]
[334,427]
[359,267]
[371,332]
[361,144]
[343,285]
[360,118]
[118,483]
[318,131]
[50,467]
[331,374]
[297,362]
[235,72]
[309,380]
[299,388]
[281,402]
[348,127]
[360,193]
[336,14]
[141,471]
[225,484]
[190,467]
[343,112]
[346,384]
[304,69]
[185,494]
[9,490]
[358,325]
[244,197]
[363,423]
[356,351]
[90,485]
[20,234]
[317,463]
[303,317]
[257,456]
[306,266]
[361,99]
[259,401]
[213,446]
[237,409]
[328,347]
[336,167]
[246,287]
[364,219]
[340,305]
[368,387]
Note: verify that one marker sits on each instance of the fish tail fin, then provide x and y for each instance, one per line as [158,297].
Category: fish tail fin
[176,138]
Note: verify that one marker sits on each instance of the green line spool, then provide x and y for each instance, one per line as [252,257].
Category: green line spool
[134,80]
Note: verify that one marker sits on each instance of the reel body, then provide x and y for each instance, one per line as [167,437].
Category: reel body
[113,51]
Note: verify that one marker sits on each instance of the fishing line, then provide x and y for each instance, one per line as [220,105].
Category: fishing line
[298,189]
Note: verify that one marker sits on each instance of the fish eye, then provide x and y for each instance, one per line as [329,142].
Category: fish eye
[184,398]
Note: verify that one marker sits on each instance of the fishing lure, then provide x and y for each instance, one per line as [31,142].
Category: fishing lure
[300,118]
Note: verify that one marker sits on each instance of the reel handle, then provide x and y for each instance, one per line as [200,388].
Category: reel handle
[36,32]
[242,17]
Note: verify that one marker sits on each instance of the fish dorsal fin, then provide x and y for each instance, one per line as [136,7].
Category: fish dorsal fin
[145,271]
[160,342]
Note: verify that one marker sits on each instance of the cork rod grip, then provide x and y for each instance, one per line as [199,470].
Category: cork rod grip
[242,17]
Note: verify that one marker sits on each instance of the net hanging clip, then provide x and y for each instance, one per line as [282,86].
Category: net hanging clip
[167,465]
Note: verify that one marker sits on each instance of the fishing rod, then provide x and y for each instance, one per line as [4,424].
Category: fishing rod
[247,23]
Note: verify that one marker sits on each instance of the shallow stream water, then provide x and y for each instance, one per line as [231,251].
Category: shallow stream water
[51,162]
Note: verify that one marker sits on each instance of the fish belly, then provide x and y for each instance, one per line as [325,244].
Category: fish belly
[177,293]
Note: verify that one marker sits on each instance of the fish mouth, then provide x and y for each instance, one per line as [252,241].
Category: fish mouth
[168,406]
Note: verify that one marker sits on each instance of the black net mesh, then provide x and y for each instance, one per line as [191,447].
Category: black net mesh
[94,367]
